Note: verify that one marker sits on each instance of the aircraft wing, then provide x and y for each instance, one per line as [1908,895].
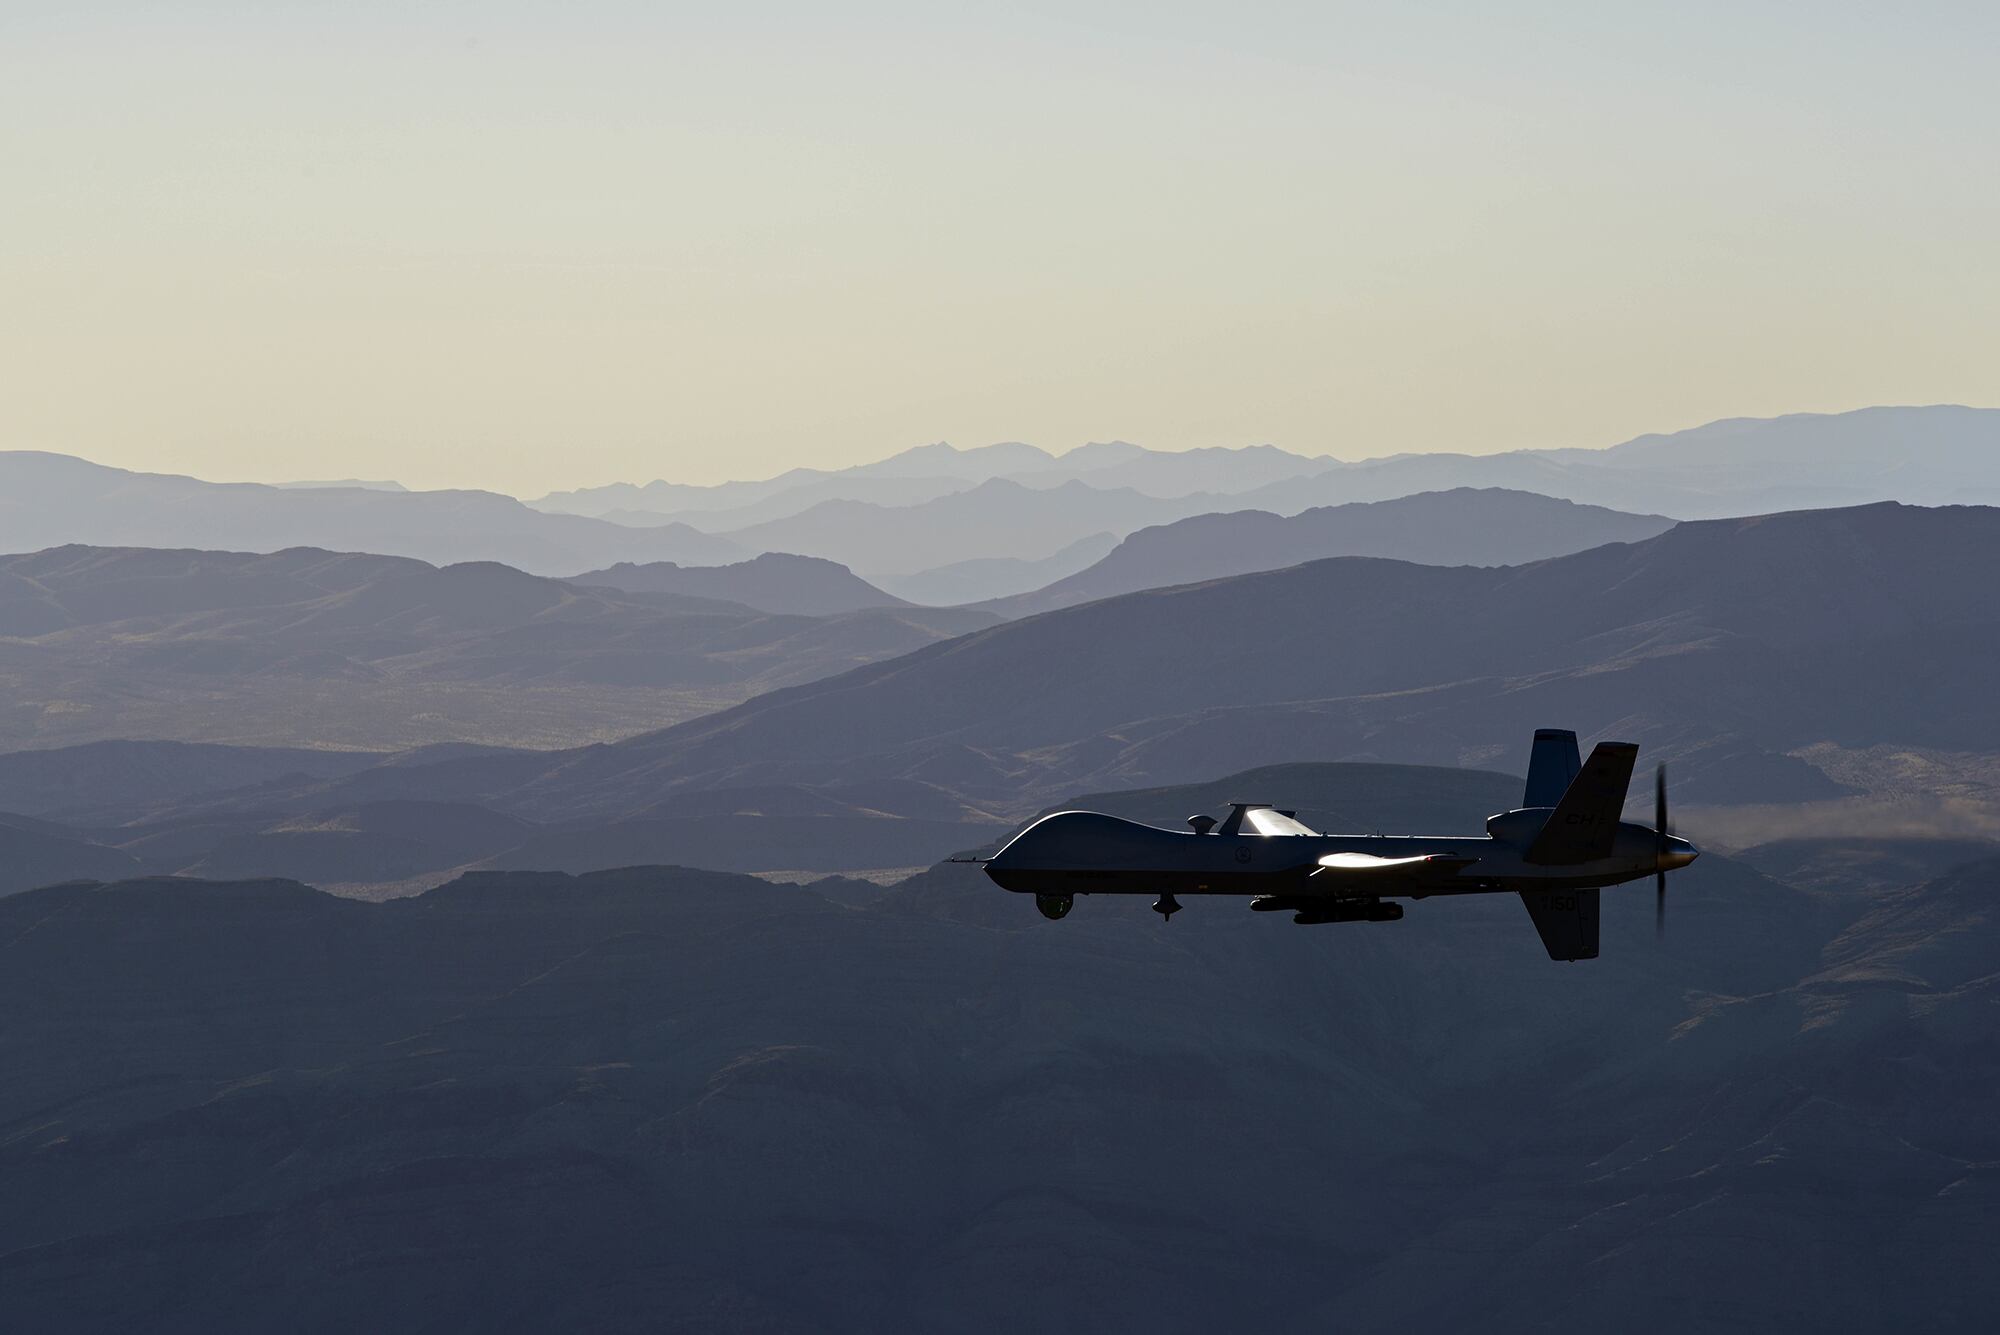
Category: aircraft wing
[1362,868]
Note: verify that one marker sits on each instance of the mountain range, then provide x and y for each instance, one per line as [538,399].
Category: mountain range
[996,519]
[314,648]
[52,500]
[1733,649]
[774,582]
[1930,455]
[985,579]
[661,1098]
[1724,646]
[305,646]
[376,950]
[908,477]
[934,505]
[896,520]
[1461,527]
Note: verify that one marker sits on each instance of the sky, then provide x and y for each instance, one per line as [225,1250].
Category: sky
[538,246]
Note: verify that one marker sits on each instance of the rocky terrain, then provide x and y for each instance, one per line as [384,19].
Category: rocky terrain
[305,647]
[662,1097]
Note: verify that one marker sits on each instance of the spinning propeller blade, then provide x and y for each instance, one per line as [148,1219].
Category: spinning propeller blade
[1660,849]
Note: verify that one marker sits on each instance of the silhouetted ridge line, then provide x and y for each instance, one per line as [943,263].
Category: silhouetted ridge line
[1738,640]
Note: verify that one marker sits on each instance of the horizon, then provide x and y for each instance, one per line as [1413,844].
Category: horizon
[526,252]
[1056,454]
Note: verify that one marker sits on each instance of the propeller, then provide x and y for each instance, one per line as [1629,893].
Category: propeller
[1660,833]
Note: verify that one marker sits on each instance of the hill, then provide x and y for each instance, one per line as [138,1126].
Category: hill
[774,582]
[35,853]
[1467,526]
[998,519]
[908,477]
[1928,455]
[309,647]
[531,1101]
[116,781]
[963,583]
[1724,645]
[936,505]
[50,500]
[1210,470]
[349,837]
[1933,455]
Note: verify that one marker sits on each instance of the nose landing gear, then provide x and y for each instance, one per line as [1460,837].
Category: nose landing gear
[1167,906]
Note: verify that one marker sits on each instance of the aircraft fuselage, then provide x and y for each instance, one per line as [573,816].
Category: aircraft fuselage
[1081,852]
[1556,850]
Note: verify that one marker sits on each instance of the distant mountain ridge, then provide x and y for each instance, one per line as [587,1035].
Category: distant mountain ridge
[1919,455]
[364,484]
[997,519]
[910,476]
[1734,649]
[117,781]
[1723,645]
[1932,455]
[963,583]
[1942,454]
[379,652]
[1485,527]
[774,582]
[53,500]
[938,468]
[938,506]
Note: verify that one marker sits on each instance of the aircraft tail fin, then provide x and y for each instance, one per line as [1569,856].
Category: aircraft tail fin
[1585,821]
[1567,921]
[1551,766]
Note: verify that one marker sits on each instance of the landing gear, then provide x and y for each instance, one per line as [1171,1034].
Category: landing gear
[1054,906]
[1167,906]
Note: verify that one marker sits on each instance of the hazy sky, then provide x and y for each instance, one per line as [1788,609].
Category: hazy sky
[526,246]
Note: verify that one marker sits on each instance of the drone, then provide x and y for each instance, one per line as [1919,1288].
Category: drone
[1563,844]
